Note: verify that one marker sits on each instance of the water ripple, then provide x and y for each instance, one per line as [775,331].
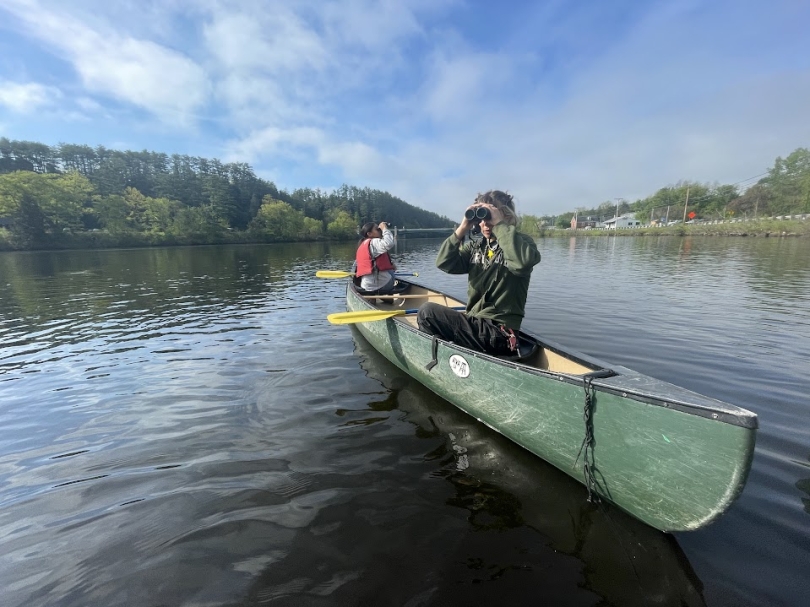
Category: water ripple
[181,426]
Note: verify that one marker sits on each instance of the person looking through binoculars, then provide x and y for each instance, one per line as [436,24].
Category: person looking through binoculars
[498,266]
[372,264]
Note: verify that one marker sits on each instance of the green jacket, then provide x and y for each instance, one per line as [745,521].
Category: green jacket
[497,287]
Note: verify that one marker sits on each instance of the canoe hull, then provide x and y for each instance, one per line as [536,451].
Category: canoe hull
[670,468]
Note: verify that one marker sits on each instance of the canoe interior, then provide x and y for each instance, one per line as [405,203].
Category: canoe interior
[544,357]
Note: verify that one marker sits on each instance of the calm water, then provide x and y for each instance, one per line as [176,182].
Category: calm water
[183,427]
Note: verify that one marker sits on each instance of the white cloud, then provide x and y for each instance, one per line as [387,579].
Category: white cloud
[462,85]
[354,157]
[643,113]
[301,61]
[271,42]
[141,72]
[270,80]
[27,98]
[563,107]
[374,25]
[89,105]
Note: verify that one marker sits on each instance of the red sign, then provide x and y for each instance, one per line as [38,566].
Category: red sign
[691,215]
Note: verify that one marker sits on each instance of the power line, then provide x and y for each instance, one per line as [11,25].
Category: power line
[750,178]
[711,194]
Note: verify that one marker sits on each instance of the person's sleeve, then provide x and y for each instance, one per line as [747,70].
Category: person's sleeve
[453,258]
[519,251]
[381,245]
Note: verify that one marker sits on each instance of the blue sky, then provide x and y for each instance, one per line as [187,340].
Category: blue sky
[563,103]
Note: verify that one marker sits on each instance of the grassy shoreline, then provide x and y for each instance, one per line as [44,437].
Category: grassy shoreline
[774,228]
[761,228]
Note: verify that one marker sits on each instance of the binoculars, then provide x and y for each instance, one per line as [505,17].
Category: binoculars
[477,214]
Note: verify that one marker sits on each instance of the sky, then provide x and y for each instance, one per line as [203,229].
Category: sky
[565,104]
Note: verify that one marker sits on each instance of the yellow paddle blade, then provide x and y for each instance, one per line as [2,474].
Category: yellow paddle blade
[332,274]
[345,318]
[339,274]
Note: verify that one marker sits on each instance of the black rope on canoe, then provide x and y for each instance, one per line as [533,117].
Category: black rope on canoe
[589,466]
[434,350]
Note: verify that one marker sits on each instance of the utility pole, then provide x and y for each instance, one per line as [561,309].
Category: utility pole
[686,205]
[666,221]
[616,225]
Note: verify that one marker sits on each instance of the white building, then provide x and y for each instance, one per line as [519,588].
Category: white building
[628,220]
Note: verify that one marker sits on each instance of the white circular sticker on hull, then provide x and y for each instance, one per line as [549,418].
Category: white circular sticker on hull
[459,365]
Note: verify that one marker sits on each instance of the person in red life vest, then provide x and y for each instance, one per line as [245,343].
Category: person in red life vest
[373,264]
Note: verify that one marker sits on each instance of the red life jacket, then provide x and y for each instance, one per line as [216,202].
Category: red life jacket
[366,264]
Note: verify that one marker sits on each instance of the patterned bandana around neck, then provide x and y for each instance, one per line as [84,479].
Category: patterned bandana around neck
[487,254]
[492,248]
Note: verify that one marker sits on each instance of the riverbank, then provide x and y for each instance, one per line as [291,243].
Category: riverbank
[102,240]
[761,228]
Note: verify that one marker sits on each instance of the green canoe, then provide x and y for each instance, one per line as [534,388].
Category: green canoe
[668,456]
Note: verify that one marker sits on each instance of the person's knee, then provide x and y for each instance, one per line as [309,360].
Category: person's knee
[422,315]
[428,309]
[388,288]
[425,315]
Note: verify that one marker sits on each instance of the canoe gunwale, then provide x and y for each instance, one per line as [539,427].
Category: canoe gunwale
[749,421]
[604,378]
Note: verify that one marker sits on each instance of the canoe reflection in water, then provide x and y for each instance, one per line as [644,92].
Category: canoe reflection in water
[529,523]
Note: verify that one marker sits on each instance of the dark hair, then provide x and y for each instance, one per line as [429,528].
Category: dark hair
[501,200]
[367,227]
[496,198]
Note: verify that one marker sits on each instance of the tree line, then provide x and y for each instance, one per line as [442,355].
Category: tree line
[72,195]
[784,190]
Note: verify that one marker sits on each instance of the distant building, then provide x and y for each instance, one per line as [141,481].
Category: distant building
[578,223]
[628,220]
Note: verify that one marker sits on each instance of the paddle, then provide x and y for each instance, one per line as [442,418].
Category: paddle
[345,318]
[339,274]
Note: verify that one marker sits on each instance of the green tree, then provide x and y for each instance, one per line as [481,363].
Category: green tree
[717,201]
[199,224]
[10,160]
[80,158]
[313,229]
[789,181]
[145,214]
[564,220]
[342,226]
[40,206]
[112,213]
[529,224]
[27,156]
[277,220]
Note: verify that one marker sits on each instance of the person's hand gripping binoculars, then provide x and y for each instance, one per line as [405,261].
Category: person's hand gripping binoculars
[476,213]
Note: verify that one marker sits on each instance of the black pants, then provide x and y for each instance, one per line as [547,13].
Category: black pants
[470,332]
